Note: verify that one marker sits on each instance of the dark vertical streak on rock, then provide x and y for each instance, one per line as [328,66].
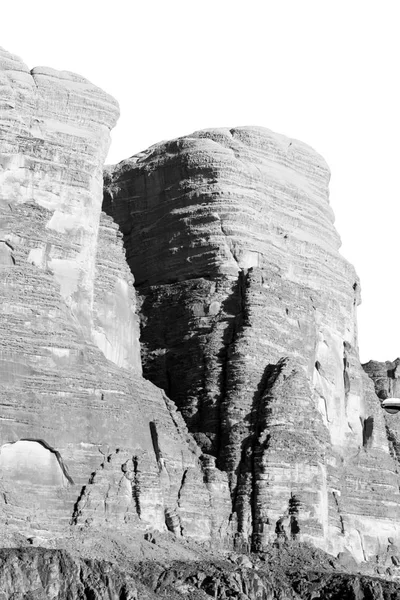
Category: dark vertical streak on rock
[154,439]
[182,484]
[238,299]
[136,486]
[183,480]
[368,428]
[259,447]
[346,378]
[294,504]
[77,511]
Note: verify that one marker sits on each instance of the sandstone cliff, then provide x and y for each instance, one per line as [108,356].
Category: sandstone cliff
[83,437]
[248,322]
[265,429]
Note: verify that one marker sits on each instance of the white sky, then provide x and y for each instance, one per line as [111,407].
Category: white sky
[323,71]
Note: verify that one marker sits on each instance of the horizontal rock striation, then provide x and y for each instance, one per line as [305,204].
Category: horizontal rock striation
[84,439]
[265,429]
[248,322]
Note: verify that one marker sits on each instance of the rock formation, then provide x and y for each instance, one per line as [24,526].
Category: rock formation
[52,574]
[56,575]
[184,362]
[84,438]
[386,377]
[248,322]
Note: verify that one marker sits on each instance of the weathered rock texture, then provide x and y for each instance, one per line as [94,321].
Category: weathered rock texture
[41,574]
[248,322]
[300,574]
[386,377]
[287,573]
[83,437]
[266,428]
[297,574]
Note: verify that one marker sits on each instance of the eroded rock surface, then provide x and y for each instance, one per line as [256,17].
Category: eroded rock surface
[54,575]
[297,574]
[248,322]
[84,439]
[386,377]
[265,429]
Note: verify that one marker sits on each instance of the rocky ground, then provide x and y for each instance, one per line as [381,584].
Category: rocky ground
[154,565]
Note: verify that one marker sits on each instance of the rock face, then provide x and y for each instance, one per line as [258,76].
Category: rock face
[248,322]
[83,437]
[53,574]
[265,429]
[386,377]
[45,574]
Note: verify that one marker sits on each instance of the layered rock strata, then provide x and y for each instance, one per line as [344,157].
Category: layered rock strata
[248,325]
[83,438]
[248,322]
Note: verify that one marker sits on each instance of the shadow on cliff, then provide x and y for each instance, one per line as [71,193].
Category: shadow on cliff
[195,358]
[252,450]
[194,352]
[185,349]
